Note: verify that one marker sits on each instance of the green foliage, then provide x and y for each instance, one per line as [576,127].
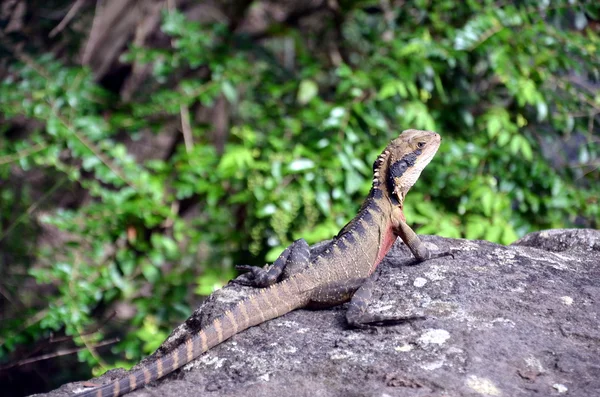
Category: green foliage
[494,81]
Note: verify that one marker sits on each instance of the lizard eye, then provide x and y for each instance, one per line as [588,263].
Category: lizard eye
[421,145]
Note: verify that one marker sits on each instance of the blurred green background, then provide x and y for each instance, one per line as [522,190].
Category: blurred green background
[146,147]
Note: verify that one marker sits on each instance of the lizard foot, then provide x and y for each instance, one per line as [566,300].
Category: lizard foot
[431,255]
[442,254]
[256,276]
[373,321]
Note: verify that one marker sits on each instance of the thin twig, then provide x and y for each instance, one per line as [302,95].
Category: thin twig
[58,354]
[32,208]
[186,127]
[23,153]
[97,328]
[72,12]
[30,321]
[6,294]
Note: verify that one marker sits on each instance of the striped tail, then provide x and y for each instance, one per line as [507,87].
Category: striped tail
[265,305]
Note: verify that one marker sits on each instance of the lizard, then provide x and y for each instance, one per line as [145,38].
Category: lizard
[340,273]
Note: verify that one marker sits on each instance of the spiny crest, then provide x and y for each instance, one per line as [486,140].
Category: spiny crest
[378,164]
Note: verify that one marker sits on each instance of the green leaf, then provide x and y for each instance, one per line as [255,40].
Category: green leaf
[353,182]
[54,126]
[487,201]
[307,90]
[509,235]
[300,165]
[475,228]
[151,272]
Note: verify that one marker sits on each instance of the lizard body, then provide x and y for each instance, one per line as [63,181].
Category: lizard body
[340,272]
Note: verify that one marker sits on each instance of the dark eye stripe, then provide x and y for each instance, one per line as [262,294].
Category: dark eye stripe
[398,168]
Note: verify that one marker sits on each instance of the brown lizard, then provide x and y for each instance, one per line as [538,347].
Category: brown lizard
[338,274]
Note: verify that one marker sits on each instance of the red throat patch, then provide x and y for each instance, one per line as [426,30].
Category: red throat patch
[386,244]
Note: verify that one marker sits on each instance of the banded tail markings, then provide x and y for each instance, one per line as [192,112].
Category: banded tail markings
[159,367]
[218,329]
[244,312]
[253,301]
[203,341]
[232,320]
[282,292]
[132,382]
[256,308]
[175,355]
[189,345]
[267,301]
[147,375]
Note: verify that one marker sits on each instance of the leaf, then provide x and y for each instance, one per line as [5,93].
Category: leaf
[493,231]
[475,31]
[487,201]
[388,90]
[323,201]
[509,235]
[353,181]
[208,283]
[494,125]
[449,229]
[151,272]
[274,253]
[300,165]
[236,158]
[54,126]
[504,138]
[229,91]
[475,228]
[542,110]
[526,150]
[307,90]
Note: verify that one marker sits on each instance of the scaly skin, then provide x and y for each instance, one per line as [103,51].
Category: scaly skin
[341,272]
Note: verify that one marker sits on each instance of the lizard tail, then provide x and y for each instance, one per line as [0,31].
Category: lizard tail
[265,305]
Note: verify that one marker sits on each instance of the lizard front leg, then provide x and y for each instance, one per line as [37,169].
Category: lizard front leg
[293,259]
[414,243]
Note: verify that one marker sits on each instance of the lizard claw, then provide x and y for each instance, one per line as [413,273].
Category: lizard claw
[248,275]
[244,268]
[255,276]
[442,254]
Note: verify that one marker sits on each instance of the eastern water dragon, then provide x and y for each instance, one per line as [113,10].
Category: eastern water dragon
[341,272]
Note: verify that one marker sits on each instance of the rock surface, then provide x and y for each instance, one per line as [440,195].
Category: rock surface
[522,320]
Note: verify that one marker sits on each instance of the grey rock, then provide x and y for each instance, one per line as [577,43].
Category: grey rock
[492,320]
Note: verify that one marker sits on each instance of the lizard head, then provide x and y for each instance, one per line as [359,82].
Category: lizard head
[399,166]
